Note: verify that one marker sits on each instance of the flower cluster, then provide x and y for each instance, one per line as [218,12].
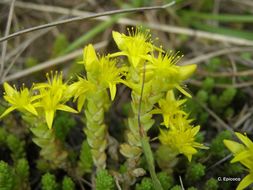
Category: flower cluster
[162,76]
[180,135]
[102,73]
[41,99]
[243,154]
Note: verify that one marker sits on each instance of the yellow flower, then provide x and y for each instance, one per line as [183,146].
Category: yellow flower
[80,90]
[22,100]
[181,141]
[135,46]
[90,58]
[102,71]
[169,108]
[164,69]
[242,153]
[110,74]
[53,96]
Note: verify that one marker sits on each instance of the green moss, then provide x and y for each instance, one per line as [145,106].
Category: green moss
[217,147]
[176,187]
[48,182]
[192,188]
[211,184]
[194,172]
[22,174]
[208,84]
[202,96]
[165,180]
[22,169]
[146,184]
[227,96]
[7,179]
[63,124]
[214,102]
[234,169]
[104,181]
[3,135]
[214,64]
[16,146]
[85,162]
[68,184]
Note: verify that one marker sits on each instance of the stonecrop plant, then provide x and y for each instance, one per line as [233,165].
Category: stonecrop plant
[155,81]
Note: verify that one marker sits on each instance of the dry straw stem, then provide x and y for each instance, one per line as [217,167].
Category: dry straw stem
[220,162]
[225,74]
[19,50]
[237,85]
[125,21]
[81,18]
[50,63]
[210,55]
[7,30]
[214,115]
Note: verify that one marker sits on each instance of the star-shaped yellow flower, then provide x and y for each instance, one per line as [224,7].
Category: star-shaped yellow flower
[169,108]
[53,96]
[136,46]
[22,100]
[182,141]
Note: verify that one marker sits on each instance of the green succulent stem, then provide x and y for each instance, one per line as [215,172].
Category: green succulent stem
[96,129]
[142,103]
[52,148]
[145,143]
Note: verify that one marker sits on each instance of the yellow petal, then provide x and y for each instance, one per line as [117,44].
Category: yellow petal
[170,95]
[31,109]
[241,156]
[8,89]
[118,38]
[89,56]
[234,147]
[195,130]
[80,102]
[186,71]
[49,118]
[188,151]
[134,60]
[244,139]
[166,118]
[7,111]
[113,89]
[245,182]
[183,91]
[66,108]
